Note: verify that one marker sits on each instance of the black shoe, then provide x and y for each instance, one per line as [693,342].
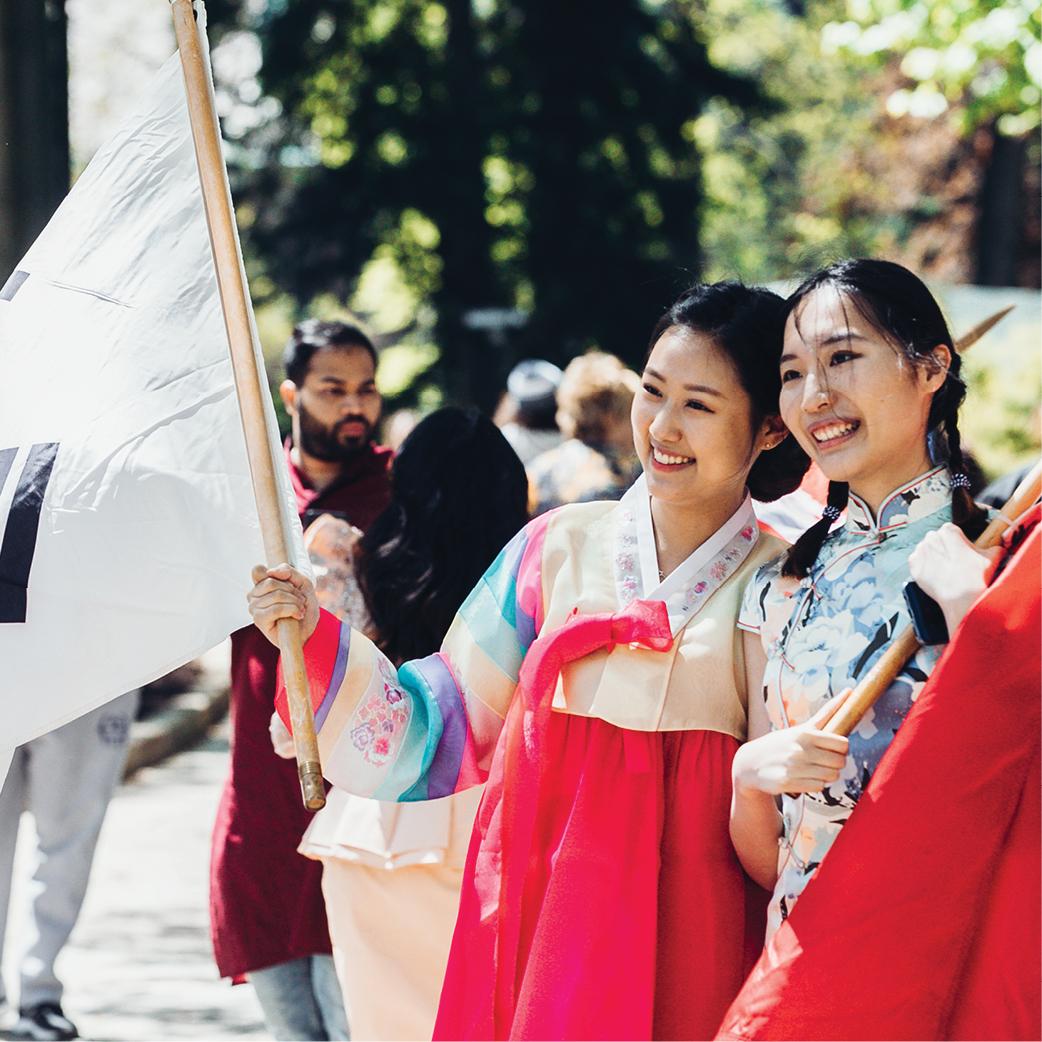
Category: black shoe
[44,1022]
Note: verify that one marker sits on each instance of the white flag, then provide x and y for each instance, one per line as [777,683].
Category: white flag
[126,510]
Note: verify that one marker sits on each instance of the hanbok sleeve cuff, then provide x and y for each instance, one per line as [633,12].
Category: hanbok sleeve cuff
[421,731]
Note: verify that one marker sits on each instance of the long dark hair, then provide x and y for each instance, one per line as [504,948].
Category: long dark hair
[458,494]
[899,306]
[746,323]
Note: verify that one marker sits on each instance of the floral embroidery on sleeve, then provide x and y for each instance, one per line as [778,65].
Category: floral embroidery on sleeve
[381,719]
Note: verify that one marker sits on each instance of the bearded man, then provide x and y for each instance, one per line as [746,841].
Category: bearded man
[267,915]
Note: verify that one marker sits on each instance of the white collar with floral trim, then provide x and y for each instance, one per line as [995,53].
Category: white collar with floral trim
[918,498]
[691,583]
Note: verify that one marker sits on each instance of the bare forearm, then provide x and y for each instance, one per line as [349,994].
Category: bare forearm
[756,825]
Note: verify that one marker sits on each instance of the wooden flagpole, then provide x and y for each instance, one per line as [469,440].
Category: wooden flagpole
[968,339]
[220,219]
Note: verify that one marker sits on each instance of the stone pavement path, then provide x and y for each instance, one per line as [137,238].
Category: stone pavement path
[139,966]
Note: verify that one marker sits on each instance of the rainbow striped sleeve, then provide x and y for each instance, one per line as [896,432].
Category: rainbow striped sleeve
[427,729]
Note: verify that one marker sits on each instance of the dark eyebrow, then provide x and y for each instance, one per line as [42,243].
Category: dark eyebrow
[839,337]
[688,387]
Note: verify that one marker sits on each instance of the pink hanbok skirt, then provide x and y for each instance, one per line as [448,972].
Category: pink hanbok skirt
[602,897]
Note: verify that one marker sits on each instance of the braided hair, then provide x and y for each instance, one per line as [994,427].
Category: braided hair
[898,305]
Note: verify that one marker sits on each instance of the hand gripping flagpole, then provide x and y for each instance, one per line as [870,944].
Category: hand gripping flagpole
[906,644]
[231,283]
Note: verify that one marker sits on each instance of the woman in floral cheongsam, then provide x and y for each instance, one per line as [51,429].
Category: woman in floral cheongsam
[871,390]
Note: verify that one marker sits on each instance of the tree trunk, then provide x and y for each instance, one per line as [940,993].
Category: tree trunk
[1000,224]
[471,366]
[34,122]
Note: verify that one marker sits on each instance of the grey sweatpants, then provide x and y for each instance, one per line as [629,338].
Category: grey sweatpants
[64,779]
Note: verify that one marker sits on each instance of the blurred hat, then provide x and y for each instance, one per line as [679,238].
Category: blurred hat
[533,381]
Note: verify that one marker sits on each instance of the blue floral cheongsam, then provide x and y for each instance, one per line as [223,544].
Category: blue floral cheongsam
[821,635]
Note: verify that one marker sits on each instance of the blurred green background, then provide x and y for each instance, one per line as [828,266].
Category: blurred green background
[485,180]
[572,166]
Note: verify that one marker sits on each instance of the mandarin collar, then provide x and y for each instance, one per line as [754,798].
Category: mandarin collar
[918,498]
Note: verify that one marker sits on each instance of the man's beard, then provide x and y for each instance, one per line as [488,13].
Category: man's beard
[324,442]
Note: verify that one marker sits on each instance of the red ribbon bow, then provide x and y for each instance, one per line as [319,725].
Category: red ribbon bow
[644,623]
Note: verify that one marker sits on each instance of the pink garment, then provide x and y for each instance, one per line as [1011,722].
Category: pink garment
[602,897]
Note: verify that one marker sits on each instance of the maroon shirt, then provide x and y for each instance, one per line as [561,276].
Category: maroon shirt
[266,902]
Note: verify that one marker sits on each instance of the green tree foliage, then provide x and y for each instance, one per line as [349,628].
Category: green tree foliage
[532,156]
[784,191]
[980,58]
[891,135]
[902,128]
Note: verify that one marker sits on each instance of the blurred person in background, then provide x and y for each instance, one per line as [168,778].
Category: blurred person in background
[398,426]
[997,492]
[392,872]
[596,461]
[64,779]
[267,915]
[527,416]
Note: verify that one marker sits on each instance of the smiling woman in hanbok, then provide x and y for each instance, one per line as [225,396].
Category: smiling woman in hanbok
[594,677]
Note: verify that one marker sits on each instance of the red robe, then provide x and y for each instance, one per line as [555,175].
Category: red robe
[266,902]
[923,920]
